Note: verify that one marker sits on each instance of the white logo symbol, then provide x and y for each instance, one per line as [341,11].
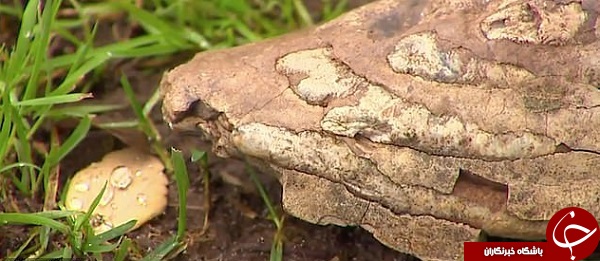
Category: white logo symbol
[568,244]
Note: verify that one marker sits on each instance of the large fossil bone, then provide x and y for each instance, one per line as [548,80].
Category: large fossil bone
[424,122]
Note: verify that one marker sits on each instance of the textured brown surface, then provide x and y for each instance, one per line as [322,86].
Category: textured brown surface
[423,122]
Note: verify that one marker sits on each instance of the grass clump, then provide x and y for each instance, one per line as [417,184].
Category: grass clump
[40,87]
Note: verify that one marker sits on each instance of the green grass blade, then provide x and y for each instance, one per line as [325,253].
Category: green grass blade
[62,28]
[69,83]
[245,31]
[146,125]
[123,250]
[7,130]
[82,51]
[40,117]
[62,254]
[85,218]
[113,233]
[67,253]
[56,154]
[197,39]
[18,165]
[264,196]
[18,252]
[45,233]
[119,125]
[151,102]
[40,45]
[303,13]
[76,239]
[330,12]
[80,111]
[57,254]
[18,58]
[183,184]
[276,251]
[199,155]
[76,136]
[162,250]
[135,105]
[98,8]
[22,146]
[104,248]
[287,10]
[52,100]
[154,25]
[56,214]
[32,219]
[114,49]
[152,50]
[10,10]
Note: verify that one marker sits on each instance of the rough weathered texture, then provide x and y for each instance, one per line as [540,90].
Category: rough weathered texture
[423,122]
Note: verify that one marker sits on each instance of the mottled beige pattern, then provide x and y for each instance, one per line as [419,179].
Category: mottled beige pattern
[424,122]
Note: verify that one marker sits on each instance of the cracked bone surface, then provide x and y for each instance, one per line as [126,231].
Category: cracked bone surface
[424,122]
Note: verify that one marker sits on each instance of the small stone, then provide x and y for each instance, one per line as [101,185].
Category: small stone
[121,177]
[138,173]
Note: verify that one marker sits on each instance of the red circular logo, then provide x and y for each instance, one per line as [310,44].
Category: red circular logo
[573,231]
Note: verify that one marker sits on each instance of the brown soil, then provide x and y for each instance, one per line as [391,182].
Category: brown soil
[239,229]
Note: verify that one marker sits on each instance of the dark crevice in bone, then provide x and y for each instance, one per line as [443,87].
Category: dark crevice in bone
[481,191]
[381,199]
[384,202]
[202,110]
[588,151]
[562,148]
[378,201]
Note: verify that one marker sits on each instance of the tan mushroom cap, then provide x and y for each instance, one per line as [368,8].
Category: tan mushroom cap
[136,189]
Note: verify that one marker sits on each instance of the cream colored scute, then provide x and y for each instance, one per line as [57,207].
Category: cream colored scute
[136,189]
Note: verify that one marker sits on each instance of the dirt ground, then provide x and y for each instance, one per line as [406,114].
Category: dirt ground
[238,228]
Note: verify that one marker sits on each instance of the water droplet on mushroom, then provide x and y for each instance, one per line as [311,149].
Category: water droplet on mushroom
[77,203]
[107,197]
[121,177]
[142,199]
[82,187]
